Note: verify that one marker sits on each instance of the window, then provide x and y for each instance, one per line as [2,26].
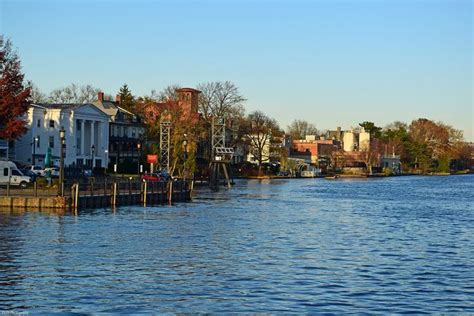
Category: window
[5,172]
[38,142]
[133,132]
[51,123]
[15,172]
[38,123]
[51,141]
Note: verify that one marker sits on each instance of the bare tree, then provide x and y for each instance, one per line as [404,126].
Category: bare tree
[299,129]
[220,99]
[74,94]
[88,93]
[167,94]
[372,154]
[259,130]
[36,95]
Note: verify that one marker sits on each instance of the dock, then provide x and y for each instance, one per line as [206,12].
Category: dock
[97,194]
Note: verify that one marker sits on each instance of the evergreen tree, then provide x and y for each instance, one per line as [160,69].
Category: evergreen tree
[126,97]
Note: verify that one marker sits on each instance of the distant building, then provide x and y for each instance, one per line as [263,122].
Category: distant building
[87,135]
[312,150]
[392,162]
[355,140]
[336,135]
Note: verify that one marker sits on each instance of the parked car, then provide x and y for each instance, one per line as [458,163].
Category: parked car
[29,173]
[54,171]
[87,172]
[163,174]
[37,170]
[9,173]
[152,177]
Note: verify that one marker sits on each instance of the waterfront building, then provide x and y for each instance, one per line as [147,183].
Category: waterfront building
[392,162]
[313,149]
[126,132]
[87,135]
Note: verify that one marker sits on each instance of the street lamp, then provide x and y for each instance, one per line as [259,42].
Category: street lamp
[62,141]
[35,142]
[139,146]
[106,163]
[185,145]
[92,156]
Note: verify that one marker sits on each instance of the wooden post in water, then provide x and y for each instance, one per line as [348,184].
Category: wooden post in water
[170,192]
[226,175]
[114,194]
[76,197]
[144,193]
[191,190]
[35,188]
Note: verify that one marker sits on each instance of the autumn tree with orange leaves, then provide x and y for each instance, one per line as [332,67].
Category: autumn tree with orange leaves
[14,95]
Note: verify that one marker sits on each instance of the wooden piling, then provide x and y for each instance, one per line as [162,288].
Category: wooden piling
[114,194]
[76,197]
[170,192]
[144,193]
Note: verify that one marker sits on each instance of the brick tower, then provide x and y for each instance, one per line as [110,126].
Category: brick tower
[188,100]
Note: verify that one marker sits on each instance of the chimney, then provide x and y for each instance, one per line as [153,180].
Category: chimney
[118,99]
[100,96]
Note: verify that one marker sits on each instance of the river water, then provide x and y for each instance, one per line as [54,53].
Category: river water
[392,245]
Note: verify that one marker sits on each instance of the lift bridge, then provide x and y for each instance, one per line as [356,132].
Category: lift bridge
[220,156]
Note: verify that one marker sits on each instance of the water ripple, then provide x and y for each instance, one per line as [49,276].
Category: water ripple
[395,245]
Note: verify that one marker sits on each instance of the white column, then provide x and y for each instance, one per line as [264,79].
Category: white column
[93,143]
[83,127]
[99,135]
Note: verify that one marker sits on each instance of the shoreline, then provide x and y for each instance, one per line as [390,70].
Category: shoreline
[356,176]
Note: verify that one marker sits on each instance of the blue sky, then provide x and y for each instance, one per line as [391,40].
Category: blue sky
[333,63]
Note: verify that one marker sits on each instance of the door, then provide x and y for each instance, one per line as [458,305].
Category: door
[16,177]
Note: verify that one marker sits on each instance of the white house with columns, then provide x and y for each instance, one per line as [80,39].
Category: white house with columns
[86,138]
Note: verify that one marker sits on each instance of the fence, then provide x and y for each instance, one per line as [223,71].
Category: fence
[105,191]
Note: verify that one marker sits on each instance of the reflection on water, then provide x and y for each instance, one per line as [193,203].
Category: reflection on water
[386,245]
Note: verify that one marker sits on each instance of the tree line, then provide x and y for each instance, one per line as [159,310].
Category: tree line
[423,144]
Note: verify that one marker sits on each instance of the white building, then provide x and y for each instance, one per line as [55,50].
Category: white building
[356,140]
[87,135]
[349,141]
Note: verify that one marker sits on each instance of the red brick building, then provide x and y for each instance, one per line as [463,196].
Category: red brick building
[184,108]
[313,149]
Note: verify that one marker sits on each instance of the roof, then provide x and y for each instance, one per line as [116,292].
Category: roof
[109,107]
[66,106]
[188,90]
[61,106]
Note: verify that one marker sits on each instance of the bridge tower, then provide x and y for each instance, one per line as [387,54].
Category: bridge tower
[220,156]
[165,133]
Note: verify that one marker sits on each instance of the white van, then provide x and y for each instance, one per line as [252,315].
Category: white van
[10,173]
